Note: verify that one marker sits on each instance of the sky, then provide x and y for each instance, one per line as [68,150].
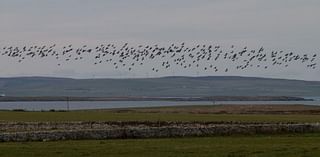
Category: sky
[289,25]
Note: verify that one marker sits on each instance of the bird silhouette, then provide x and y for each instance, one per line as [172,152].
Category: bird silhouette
[163,57]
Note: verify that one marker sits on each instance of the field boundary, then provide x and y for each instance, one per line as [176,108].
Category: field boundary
[48,131]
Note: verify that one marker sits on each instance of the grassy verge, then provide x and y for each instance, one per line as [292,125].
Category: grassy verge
[128,116]
[306,145]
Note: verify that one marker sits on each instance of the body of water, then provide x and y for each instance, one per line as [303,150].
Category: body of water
[82,105]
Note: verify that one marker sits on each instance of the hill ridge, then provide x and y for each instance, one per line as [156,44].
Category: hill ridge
[161,86]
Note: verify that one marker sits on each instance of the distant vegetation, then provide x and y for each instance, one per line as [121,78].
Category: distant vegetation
[217,113]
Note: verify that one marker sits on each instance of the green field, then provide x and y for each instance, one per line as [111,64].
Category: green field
[128,116]
[307,145]
[286,145]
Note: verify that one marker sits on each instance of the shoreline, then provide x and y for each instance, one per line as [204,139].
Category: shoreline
[285,109]
[143,98]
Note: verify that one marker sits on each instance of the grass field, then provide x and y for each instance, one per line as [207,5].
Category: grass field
[111,116]
[243,113]
[307,145]
[288,145]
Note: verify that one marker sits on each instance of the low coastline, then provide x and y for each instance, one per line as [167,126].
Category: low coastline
[142,98]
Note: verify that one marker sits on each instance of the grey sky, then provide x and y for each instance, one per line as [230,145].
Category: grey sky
[290,25]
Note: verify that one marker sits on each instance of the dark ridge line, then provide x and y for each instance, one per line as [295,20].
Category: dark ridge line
[228,77]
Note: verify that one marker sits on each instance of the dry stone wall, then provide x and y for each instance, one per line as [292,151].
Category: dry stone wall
[48,131]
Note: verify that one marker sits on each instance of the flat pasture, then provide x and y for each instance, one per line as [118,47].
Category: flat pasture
[305,145]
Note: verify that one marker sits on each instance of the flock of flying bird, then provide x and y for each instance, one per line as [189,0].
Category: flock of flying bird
[204,57]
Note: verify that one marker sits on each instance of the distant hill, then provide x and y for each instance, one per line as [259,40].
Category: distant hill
[158,87]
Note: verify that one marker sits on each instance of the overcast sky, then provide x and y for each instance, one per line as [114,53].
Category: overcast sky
[289,25]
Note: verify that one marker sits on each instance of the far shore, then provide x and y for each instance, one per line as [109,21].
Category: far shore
[143,98]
